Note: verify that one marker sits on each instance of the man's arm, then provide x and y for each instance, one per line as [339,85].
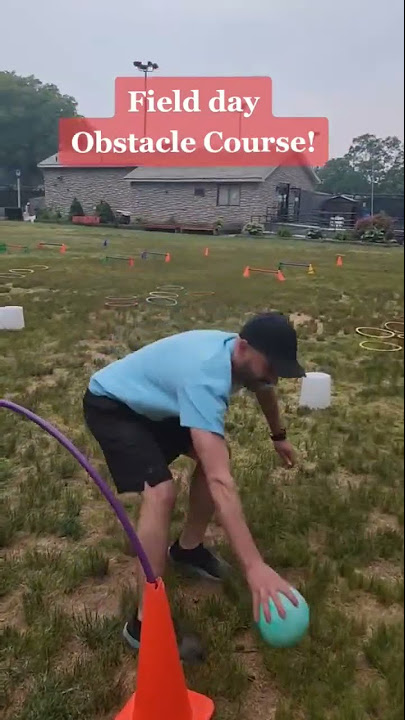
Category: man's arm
[213,454]
[268,401]
[264,582]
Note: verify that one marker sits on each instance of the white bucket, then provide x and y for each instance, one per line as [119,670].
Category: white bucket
[316,391]
[12,318]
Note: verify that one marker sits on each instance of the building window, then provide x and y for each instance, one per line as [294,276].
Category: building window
[228,195]
[199,192]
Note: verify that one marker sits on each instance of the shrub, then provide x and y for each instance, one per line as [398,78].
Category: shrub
[284,232]
[49,215]
[254,228]
[374,229]
[315,234]
[344,236]
[105,213]
[75,208]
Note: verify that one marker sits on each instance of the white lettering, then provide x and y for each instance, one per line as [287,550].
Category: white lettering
[103,145]
[282,145]
[185,143]
[75,142]
[146,145]
[252,104]
[207,141]
[251,145]
[164,104]
[298,141]
[132,140]
[120,145]
[192,103]
[163,145]
[232,145]
[217,104]
[135,100]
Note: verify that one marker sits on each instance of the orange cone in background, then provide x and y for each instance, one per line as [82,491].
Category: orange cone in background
[339,261]
[161,687]
[167,258]
[280,276]
[246,272]
[206,252]
[131,262]
[63,249]
[311,270]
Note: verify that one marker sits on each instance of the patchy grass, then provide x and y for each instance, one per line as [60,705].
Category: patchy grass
[333,526]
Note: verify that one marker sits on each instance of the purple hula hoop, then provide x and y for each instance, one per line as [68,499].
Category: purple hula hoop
[101,484]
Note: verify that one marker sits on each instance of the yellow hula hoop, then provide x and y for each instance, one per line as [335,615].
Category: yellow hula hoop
[392,347]
[389,333]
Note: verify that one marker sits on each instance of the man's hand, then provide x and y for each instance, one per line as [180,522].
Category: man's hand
[266,584]
[286,452]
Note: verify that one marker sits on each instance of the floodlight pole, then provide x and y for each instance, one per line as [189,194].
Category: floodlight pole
[146,69]
[18,176]
[372,187]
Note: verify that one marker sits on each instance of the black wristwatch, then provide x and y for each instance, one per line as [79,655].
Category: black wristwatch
[280,436]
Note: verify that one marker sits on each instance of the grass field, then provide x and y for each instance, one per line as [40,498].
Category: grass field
[333,526]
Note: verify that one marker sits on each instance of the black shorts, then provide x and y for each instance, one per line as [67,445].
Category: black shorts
[137,450]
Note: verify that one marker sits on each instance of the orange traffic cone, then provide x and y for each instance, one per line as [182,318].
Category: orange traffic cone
[162,693]
[246,272]
[131,262]
[339,261]
[206,252]
[63,249]
[167,258]
[280,276]
[311,270]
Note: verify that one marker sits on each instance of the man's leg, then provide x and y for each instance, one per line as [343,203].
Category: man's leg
[189,552]
[153,530]
[200,512]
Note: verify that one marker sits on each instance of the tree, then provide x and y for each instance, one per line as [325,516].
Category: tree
[76,208]
[368,156]
[29,116]
[338,176]
[105,212]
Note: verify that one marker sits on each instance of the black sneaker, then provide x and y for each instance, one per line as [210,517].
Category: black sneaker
[190,647]
[200,561]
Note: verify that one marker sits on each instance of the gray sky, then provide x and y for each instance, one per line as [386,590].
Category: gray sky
[342,60]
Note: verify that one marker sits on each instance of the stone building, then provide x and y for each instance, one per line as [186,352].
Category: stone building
[233,195]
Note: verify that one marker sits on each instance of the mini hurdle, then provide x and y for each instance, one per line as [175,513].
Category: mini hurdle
[5,247]
[152,253]
[130,260]
[278,273]
[62,247]
[309,266]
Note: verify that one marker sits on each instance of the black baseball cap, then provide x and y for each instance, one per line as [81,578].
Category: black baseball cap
[273,335]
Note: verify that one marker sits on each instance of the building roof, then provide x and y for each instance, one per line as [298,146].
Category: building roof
[51,161]
[200,174]
[349,198]
[190,174]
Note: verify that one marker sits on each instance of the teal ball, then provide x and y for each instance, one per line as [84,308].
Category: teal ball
[289,632]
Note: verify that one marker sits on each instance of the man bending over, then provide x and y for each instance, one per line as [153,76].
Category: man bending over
[169,399]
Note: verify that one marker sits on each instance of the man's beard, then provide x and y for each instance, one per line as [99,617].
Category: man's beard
[247,379]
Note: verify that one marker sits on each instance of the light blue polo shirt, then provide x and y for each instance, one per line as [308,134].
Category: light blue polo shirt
[188,375]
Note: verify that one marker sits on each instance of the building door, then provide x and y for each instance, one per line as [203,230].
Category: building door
[283,199]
